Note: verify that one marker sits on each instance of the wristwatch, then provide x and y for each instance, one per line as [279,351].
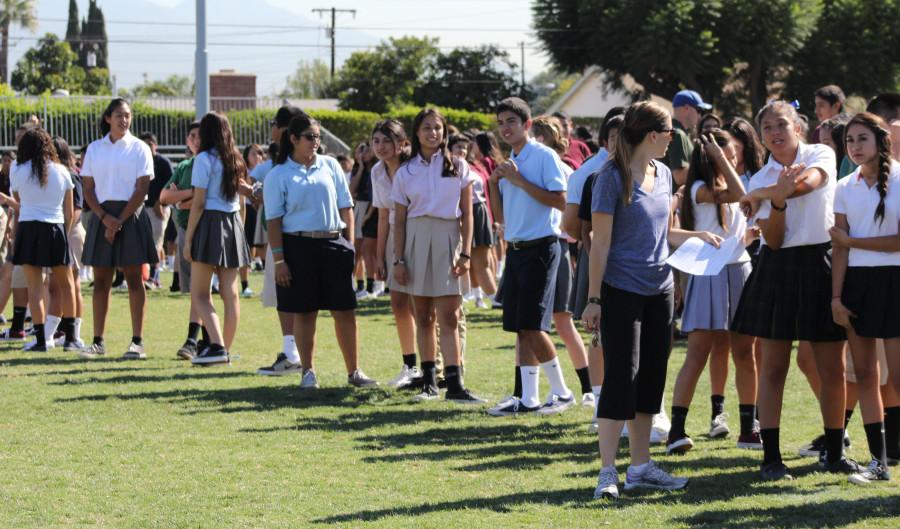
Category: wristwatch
[400,262]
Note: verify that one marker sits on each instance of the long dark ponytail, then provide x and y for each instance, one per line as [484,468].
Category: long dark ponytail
[295,128]
[215,133]
[702,168]
[35,146]
[883,143]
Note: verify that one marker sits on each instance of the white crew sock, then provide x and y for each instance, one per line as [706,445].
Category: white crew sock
[530,386]
[554,375]
[77,329]
[289,347]
[170,262]
[50,327]
[478,294]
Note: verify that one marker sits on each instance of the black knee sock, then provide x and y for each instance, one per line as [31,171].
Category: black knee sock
[679,417]
[39,334]
[834,444]
[67,325]
[409,360]
[718,405]
[453,379]
[193,331]
[176,282]
[517,389]
[892,431]
[747,412]
[98,340]
[360,284]
[204,333]
[848,414]
[370,285]
[18,321]
[136,340]
[771,445]
[584,378]
[118,278]
[875,438]
[244,284]
[428,375]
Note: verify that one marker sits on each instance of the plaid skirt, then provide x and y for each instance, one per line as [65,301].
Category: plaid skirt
[788,296]
[873,294]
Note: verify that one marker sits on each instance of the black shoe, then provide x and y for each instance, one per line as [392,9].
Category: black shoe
[174,288]
[442,383]
[35,348]
[427,393]
[210,357]
[463,397]
[844,465]
[415,383]
[187,351]
[775,472]
[893,457]
[814,448]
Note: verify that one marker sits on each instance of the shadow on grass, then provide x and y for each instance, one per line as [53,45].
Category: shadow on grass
[833,513]
[132,379]
[56,360]
[393,415]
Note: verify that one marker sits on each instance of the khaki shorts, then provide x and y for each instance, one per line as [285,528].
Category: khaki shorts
[18,277]
[159,225]
[76,244]
[850,371]
[269,297]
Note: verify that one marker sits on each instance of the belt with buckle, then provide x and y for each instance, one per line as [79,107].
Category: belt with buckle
[518,245]
[316,234]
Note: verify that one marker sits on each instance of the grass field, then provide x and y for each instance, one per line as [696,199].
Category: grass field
[161,444]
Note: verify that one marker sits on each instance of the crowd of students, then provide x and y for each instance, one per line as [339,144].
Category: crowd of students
[553,234]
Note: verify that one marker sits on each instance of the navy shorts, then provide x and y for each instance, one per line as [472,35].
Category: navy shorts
[529,285]
[321,275]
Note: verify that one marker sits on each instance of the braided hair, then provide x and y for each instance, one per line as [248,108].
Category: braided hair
[879,129]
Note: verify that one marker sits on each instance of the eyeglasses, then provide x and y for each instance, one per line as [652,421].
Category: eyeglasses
[666,131]
[311,137]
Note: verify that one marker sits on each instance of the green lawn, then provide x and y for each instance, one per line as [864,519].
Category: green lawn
[162,444]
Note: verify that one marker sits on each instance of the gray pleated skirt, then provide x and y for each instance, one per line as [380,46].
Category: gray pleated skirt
[710,302]
[133,244]
[432,247]
[219,240]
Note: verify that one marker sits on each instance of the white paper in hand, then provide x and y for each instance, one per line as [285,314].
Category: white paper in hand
[699,258]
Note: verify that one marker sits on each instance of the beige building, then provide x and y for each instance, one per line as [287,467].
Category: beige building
[589,97]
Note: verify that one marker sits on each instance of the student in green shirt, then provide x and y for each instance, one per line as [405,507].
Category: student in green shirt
[178,191]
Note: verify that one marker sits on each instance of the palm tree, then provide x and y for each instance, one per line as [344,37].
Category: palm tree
[21,12]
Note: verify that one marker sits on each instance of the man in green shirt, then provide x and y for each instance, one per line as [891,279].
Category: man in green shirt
[178,191]
[688,106]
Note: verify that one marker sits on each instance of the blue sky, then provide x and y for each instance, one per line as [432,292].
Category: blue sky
[455,22]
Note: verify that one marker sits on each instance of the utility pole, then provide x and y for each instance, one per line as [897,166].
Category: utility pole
[331,30]
[522,62]
[201,67]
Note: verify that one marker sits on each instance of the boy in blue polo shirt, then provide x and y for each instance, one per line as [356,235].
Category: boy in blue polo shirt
[529,194]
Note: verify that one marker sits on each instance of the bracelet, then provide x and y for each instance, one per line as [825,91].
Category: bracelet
[279,261]
[467,256]
[279,250]
[782,208]
[400,262]
[593,301]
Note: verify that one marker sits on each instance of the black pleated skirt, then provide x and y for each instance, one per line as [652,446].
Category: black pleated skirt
[41,244]
[219,240]
[788,296]
[133,244]
[873,294]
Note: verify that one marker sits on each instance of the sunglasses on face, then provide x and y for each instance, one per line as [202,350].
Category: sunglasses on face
[311,137]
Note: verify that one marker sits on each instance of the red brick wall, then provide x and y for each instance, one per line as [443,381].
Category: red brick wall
[232,85]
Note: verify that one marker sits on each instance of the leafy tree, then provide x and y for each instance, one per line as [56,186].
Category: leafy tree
[667,45]
[854,45]
[388,76]
[311,80]
[172,86]
[470,79]
[548,86]
[20,12]
[52,65]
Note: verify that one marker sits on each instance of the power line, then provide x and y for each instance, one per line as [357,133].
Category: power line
[331,30]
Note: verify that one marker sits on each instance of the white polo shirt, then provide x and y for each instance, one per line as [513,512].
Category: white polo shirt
[706,218]
[809,217]
[115,167]
[855,199]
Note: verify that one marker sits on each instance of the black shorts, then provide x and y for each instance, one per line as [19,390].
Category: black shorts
[250,223]
[873,294]
[370,227]
[636,334]
[171,233]
[563,298]
[529,286]
[482,231]
[321,275]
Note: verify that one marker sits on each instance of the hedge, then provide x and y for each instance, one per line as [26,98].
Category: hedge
[76,120]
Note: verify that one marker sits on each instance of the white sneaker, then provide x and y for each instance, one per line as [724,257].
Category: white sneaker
[480,304]
[247,293]
[556,404]
[607,484]
[593,427]
[407,374]
[363,295]
[379,289]
[589,400]
[652,477]
[718,427]
[659,430]
[134,352]
[469,296]
[309,380]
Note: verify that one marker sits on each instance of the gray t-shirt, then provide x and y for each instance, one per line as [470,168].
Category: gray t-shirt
[639,248]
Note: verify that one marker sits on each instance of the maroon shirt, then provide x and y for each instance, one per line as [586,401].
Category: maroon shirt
[578,152]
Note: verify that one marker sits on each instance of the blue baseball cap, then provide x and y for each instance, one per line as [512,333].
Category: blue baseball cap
[689,97]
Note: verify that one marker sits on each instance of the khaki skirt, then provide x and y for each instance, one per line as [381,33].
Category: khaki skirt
[432,246]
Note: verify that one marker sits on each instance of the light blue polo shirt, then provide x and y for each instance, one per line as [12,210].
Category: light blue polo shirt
[261,170]
[307,199]
[580,176]
[207,174]
[525,218]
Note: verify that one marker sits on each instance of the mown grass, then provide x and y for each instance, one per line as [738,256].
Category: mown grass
[161,444]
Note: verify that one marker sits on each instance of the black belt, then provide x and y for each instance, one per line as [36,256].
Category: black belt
[316,234]
[518,245]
